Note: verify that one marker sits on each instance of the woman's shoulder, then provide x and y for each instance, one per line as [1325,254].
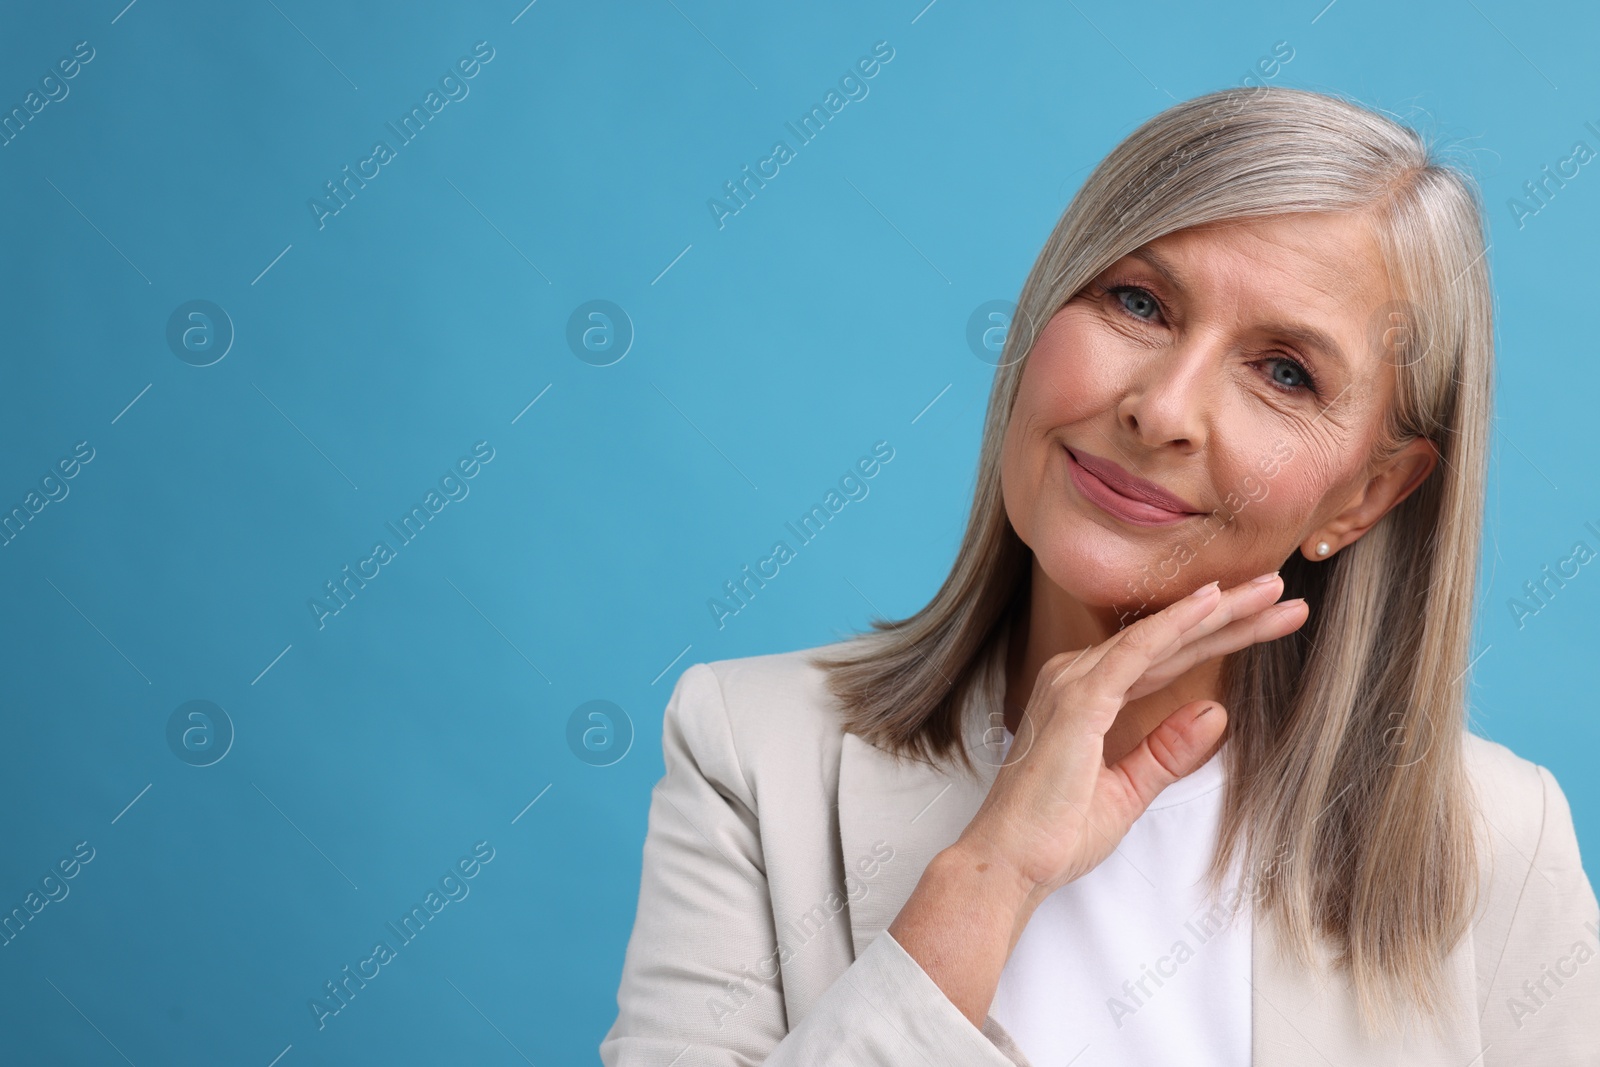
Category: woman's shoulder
[773,691]
[1519,799]
[1537,909]
[770,714]
[1533,872]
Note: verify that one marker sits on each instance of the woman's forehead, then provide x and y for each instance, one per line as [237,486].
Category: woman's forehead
[1336,253]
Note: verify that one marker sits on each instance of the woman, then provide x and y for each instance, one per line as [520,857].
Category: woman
[1174,766]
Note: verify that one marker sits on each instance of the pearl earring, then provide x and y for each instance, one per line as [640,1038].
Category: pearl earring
[1322,548]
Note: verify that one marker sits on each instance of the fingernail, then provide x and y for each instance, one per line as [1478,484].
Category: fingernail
[1204,588]
[1264,579]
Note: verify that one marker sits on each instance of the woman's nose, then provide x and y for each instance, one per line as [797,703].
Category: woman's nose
[1171,392]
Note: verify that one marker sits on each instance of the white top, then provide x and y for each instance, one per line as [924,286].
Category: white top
[1131,965]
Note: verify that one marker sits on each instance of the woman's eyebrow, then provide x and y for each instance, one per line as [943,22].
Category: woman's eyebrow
[1308,336]
[1160,265]
[1302,333]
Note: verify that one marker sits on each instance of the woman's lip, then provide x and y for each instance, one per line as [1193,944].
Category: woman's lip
[1123,507]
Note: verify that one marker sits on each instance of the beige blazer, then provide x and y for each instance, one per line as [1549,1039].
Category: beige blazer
[779,849]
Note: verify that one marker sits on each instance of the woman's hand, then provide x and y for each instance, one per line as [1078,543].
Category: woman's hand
[1055,811]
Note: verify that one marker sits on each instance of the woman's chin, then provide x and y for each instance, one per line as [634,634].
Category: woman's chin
[1128,583]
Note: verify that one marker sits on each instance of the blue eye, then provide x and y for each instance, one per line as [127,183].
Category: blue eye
[1300,378]
[1141,296]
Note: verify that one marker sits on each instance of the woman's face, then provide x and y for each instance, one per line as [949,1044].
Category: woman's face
[1189,364]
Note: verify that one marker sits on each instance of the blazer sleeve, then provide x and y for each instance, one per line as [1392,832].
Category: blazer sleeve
[701,982]
[1544,1001]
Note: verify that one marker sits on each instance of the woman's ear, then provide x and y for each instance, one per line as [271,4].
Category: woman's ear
[1409,469]
[1388,486]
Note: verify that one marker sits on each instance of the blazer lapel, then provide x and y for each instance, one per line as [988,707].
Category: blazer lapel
[1299,1016]
[914,809]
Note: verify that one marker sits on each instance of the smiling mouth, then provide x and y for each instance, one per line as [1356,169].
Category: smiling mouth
[1117,504]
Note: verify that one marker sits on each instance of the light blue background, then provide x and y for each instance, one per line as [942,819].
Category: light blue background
[372,753]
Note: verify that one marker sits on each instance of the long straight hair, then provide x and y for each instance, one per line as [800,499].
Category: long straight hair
[1347,797]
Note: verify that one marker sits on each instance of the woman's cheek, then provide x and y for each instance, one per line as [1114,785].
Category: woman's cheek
[1285,506]
[1020,482]
[1070,375]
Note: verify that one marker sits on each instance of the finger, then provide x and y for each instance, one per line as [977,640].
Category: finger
[1275,621]
[1174,619]
[1232,603]
[1237,602]
[1171,751]
[1137,648]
